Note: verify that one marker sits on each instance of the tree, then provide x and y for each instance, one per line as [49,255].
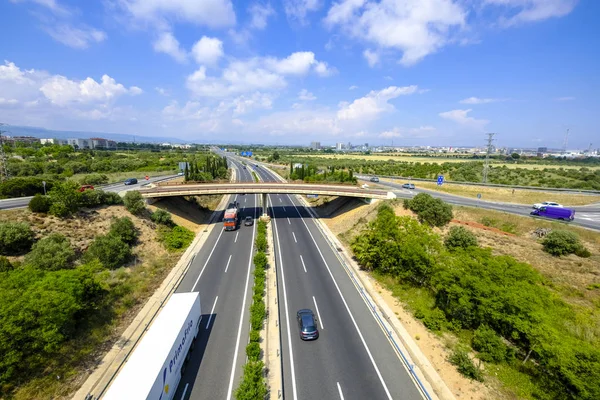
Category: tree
[433,212]
[40,204]
[459,237]
[52,253]
[275,156]
[162,217]
[110,250]
[15,238]
[124,229]
[65,198]
[134,202]
[561,243]
[515,156]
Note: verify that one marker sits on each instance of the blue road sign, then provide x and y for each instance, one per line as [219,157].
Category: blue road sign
[312,196]
[440,180]
[244,153]
[249,153]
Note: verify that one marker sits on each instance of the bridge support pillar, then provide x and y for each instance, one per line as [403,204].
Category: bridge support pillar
[264,204]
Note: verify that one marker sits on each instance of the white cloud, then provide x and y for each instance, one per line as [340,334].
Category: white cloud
[168,44]
[523,11]
[479,100]
[245,104]
[135,91]
[52,5]
[260,14]
[207,50]
[297,63]
[10,72]
[63,91]
[417,28]
[353,87]
[566,98]
[78,38]
[305,95]
[298,9]
[324,70]
[161,91]
[461,117]
[373,104]
[422,131]
[8,102]
[210,13]
[371,57]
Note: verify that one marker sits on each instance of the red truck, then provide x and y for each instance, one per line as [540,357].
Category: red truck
[230,219]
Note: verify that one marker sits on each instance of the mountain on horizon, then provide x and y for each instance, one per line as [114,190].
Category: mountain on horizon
[43,133]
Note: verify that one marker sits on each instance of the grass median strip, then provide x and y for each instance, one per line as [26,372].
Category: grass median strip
[253,385]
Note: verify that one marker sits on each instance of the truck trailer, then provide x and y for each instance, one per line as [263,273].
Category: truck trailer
[561,213]
[154,368]
[230,218]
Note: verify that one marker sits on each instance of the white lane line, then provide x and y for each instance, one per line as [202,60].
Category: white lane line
[212,311]
[236,236]
[228,261]
[184,391]
[245,199]
[287,314]
[280,200]
[284,208]
[288,218]
[207,260]
[302,259]
[293,234]
[318,313]
[387,392]
[239,334]
[340,391]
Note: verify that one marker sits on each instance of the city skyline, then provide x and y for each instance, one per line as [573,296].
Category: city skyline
[439,73]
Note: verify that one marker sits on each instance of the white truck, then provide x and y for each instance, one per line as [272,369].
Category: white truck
[153,370]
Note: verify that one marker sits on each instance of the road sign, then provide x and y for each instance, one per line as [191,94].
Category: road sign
[312,196]
[147,177]
[44,183]
[249,153]
[440,180]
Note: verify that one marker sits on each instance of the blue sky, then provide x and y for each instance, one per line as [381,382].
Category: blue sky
[411,72]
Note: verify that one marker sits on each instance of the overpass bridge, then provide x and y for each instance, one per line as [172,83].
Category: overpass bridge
[169,189]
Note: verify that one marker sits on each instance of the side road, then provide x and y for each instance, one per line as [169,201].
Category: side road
[101,377]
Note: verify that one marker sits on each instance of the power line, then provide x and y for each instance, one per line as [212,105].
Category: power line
[490,140]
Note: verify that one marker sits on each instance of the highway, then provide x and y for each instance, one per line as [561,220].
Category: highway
[220,272]
[585,216]
[21,202]
[352,359]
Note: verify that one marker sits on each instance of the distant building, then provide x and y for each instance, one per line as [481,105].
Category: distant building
[60,142]
[79,143]
[339,146]
[315,145]
[100,143]
[20,139]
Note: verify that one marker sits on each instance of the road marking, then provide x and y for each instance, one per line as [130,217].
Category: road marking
[207,260]
[340,391]
[236,236]
[318,313]
[212,311]
[239,334]
[293,234]
[245,199]
[184,391]
[287,314]
[288,218]
[302,259]
[228,261]
[281,201]
[284,208]
[387,392]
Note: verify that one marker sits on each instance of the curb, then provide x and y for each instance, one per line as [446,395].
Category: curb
[101,377]
[273,336]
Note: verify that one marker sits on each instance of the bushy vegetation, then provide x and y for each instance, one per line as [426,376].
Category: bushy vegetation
[15,238]
[253,385]
[65,199]
[22,187]
[429,210]
[459,238]
[562,243]
[52,253]
[175,238]
[40,204]
[162,217]
[109,250]
[460,357]
[5,264]
[512,316]
[124,229]
[94,179]
[134,203]
[206,169]
[311,173]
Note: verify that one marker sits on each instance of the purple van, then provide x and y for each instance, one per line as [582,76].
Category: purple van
[561,213]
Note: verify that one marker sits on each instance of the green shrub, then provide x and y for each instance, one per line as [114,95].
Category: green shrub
[51,253]
[560,243]
[433,212]
[65,198]
[460,358]
[110,198]
[435,320]
[175,238]
[459,237]
[581,251]
[134,202]
[489,345]
[253,351]
[261,243]
[91,198]
[40,204]
[162,217]
[253,386]
[257,315]
[94,179]
[15,238]
[110,250]
[5,264]
[124,229]
[260,260]
[487,221]
[254,336]
[23,187]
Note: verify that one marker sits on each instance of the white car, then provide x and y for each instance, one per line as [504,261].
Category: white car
[546,203]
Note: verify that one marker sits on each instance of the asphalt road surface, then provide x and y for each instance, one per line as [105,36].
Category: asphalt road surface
[21,202]
[585,216]
[221,273]
[352,359]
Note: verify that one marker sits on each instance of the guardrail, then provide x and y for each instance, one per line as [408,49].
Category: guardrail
[543,189]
